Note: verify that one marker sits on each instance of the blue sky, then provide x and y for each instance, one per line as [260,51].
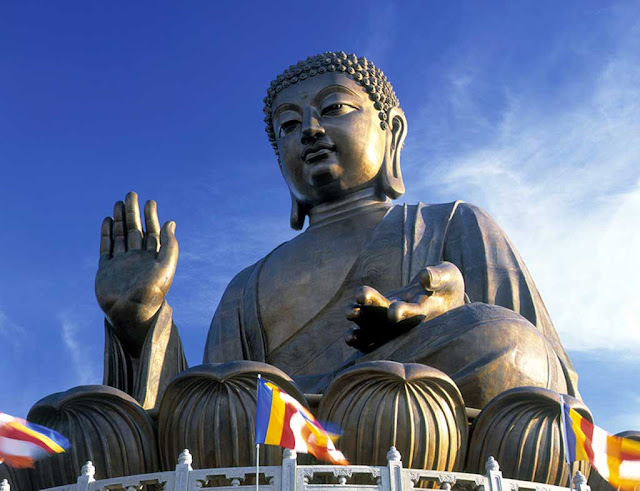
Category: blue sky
[528,109]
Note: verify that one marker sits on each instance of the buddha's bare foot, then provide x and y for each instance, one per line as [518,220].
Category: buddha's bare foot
[136,269]
[434,291]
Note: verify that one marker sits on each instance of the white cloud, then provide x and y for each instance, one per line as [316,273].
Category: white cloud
[564,182]
[83,361]
[10,331]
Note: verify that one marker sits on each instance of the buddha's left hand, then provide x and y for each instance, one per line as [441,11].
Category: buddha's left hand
[435,290]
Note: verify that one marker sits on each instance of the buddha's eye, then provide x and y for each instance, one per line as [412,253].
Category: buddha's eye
[337,109]
[288,126]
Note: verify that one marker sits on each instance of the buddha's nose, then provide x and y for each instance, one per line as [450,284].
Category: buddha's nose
[311,127]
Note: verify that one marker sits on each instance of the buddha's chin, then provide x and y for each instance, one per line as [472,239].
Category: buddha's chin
[324,174]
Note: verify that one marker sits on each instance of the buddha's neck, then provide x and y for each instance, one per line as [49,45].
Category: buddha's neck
[352,204]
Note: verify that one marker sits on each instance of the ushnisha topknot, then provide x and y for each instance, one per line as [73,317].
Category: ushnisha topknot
[361,70]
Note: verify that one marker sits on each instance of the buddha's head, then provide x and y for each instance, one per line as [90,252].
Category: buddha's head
[337,128]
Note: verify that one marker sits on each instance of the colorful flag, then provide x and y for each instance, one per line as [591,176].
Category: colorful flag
[283,421]
[615,458]
[22,442]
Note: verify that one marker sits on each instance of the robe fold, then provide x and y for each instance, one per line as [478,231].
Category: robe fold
[407,239]
[146,376]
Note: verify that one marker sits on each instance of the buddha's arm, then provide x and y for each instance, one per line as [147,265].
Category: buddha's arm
[142,347]
[494,273]
[145,375]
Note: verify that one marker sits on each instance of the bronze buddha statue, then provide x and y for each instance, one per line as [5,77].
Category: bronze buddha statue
[400,316]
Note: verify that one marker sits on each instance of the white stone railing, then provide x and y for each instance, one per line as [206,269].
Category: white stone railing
[293,477]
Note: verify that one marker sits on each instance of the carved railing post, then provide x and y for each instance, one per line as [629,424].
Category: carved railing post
[580,482]
[289,470]
[393,481]
[183,467]
[4,485]
[494,476]
[86,476]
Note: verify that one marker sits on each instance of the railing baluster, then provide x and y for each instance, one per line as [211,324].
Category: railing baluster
[289,470]
[394,470]
[86,476]
[183,468]
[580,482]
[494,476]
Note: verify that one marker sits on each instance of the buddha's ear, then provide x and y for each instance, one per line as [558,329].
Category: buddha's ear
[390,182]
[298,212]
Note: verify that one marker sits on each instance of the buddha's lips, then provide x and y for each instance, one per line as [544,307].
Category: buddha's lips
[317,152]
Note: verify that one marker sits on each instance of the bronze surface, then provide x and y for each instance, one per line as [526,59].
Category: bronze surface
[211,410]
[521,429]
[412,407]
[366,281]
[104,425]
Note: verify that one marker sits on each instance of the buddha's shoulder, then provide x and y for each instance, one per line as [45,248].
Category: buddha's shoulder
[460,213]
[446,211]
[459,219]
[240,282]
[236,287]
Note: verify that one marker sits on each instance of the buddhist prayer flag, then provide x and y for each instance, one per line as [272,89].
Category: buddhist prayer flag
[22,442]
[615,458]
[283,421]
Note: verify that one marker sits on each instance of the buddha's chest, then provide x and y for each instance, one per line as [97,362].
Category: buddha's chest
[300,278]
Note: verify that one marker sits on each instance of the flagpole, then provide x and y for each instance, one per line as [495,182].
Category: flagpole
[571,476]
[257,444]
[563,430]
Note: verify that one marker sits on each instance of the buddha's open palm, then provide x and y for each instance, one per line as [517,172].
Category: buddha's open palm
[380,318]
[136,269]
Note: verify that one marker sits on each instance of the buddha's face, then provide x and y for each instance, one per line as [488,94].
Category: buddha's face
[329,138]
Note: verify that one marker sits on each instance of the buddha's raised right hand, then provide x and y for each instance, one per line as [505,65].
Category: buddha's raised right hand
[136,269]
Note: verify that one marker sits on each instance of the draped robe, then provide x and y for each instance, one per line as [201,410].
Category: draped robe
[407,239]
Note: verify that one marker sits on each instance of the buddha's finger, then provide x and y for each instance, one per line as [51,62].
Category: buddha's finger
[152,226]
[119,240]
[356,338]
[441,276]
[370,297]
[168,244]
[106,243]
[351,336]
[429,278]
[353,312]
[132,221]
[400,311]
